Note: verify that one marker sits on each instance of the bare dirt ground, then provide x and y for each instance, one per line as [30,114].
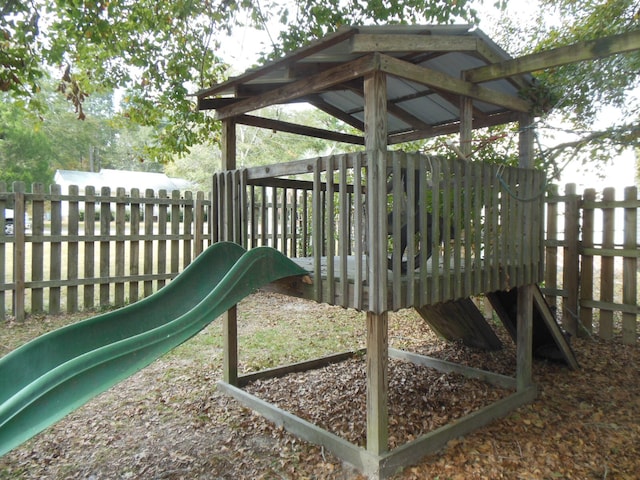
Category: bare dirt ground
[170,422]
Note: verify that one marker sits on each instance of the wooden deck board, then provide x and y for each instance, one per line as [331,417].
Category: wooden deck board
[357,269]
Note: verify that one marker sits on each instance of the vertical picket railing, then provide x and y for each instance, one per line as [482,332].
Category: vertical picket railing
[598,240]
[307,209]
[94,249]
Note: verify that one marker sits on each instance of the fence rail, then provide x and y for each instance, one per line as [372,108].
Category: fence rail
[76,251]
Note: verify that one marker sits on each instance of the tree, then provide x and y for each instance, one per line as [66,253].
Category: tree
[160,52]
[32,147]
[25,151]
[579,93]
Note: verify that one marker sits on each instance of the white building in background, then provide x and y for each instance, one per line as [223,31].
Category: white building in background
[115,179]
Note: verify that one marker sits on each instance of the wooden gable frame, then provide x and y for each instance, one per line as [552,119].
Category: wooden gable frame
[303,80]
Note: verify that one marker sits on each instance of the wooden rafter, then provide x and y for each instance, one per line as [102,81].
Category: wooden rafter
[405,116]
[369,43]
[304,52]
[315,83]
[282,126]
[317,102]
[578,52]
[452,128]
[446,83]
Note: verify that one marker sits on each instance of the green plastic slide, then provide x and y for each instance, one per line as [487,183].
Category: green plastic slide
[49,377]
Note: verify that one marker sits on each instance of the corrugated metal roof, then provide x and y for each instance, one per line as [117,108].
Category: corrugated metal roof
[414,104]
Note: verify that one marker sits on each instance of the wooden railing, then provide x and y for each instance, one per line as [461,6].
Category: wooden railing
[485,231]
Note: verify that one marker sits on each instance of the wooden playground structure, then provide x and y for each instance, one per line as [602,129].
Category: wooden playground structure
[381,230]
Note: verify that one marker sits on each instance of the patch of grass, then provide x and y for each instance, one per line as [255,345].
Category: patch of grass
[14,334]
[269,338]
[272,330]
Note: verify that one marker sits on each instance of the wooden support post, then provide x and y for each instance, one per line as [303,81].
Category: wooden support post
[466,126]
[377,383]
[524,353]
[230,346]
[375,114]
[230,317]
[571,261]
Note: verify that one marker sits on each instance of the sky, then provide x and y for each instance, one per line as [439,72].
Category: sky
[246,44]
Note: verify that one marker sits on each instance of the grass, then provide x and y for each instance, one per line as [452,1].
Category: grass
[271,337]
[14,334]
[270,334]
[272,330]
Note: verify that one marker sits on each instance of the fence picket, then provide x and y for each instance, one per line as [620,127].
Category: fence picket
[586,276]
[551,246]
[134,245]
[55,251]
[119,298]
[73,258]
[187,225]
[19,274]
[89,246]
[606,266]
[161,266]
[37,247]
[630,268]
[570,267]
[105,246]
[148,244]
[175,232]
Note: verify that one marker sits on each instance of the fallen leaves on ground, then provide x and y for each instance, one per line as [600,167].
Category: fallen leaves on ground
[170,422]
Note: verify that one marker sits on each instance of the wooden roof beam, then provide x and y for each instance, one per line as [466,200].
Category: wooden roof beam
[453,127]
[289,127]
[336,112]
[368,43]
[591,50]
[405,116]
[447,83]
[330,40]
[300,88]
[220,102]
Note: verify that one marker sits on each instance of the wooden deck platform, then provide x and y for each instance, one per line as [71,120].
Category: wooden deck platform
[343,282]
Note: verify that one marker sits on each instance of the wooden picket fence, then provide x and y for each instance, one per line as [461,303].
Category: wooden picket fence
[104,249]
[592,251]
[95,249]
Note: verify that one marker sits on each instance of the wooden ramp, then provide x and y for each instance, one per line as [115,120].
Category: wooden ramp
[548,339]
[461,320]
